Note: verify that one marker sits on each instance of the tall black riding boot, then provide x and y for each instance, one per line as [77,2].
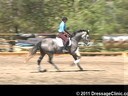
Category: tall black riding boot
[65,49]
[65,46]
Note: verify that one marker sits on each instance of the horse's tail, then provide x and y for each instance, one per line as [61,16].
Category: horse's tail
[33,51]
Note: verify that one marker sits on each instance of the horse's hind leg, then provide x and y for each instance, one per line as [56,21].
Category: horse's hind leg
[39,61]
[51,62]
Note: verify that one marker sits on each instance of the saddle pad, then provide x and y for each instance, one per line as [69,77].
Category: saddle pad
[58,41]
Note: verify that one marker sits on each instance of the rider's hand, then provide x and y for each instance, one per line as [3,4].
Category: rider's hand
[65,33]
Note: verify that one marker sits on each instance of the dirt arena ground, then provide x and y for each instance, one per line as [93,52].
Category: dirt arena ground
[97,70]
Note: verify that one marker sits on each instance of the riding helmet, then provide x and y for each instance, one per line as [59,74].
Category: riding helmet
[64,18]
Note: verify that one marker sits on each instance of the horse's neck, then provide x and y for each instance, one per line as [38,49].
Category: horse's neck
[77,38]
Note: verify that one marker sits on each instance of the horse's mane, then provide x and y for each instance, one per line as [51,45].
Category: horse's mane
[74,33]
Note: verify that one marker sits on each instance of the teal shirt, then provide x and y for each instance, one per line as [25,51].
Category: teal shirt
[62,27]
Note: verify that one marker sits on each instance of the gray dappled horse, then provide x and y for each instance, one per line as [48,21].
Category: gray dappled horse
[49,47]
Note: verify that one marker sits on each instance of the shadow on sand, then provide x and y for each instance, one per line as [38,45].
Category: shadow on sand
[67,71]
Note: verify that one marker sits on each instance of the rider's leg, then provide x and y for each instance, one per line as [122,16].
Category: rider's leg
[66,44]
[61,35]
[65,40]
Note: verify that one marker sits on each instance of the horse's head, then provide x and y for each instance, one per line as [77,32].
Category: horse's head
[84,35]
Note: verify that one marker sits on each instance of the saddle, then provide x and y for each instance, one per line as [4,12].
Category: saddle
[60,43]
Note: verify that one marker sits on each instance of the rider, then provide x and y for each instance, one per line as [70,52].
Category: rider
[63,33]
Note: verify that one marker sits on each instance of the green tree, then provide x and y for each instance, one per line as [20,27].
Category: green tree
[99,16]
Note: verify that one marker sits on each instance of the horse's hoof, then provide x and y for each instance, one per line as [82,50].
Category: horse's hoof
[81,69]
[43,70]
[58,70]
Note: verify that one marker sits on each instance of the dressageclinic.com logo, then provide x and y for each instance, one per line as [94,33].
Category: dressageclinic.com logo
[93,93]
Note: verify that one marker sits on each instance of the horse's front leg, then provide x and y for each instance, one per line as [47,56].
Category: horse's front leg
[77,57]
[77,61]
